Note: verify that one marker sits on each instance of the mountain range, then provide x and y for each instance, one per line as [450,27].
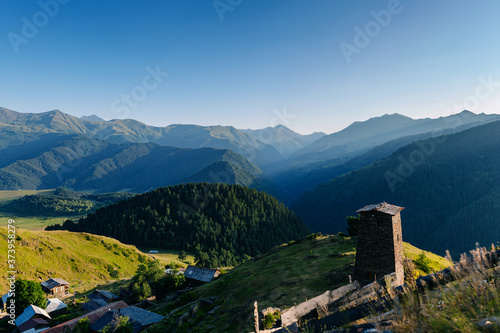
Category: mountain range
[89,164]
[449,186]
[41,150]
[296,181]
[265,148]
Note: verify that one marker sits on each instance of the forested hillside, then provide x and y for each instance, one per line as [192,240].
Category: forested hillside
[89,164]
[222,224]
[449,186]
[293,183]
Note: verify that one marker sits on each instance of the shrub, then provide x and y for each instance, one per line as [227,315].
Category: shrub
[314,235]
[352,225]
[114,274]
[182,255]
[270,319]
[119,325]
[423,263]
[83,326]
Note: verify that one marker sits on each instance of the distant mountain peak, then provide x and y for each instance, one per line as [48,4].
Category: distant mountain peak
[467,113]
[92,117]
[394,115]
[55,111]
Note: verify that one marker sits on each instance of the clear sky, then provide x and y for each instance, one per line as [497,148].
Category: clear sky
[315,65]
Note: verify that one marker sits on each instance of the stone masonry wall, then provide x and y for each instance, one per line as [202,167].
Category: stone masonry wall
[380,247]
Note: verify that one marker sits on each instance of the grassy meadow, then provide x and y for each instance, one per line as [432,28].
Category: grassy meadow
[288,275]
[27,221]
[168,256]
[83,260]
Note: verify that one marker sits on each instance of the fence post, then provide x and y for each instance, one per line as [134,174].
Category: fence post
[256,316]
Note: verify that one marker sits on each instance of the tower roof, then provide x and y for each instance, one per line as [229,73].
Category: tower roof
[382,207]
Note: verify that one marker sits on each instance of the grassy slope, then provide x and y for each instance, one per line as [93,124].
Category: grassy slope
[168,255]
[8,196]
[288,275]
[79,258]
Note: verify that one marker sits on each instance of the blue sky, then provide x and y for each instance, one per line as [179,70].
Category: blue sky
[250,63]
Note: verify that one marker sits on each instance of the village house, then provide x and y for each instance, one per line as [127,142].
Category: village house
[93,316]
[55,306]
[99,298]
[32,317]
[201,275]
[139,318]
[56,287]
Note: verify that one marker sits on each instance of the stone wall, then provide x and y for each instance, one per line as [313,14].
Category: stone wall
[380,247]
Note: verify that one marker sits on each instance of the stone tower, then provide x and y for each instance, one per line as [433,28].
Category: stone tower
[380,244]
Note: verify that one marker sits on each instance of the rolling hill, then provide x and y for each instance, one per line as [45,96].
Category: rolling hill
[222,224]
[81,259]
[288,274]
[450,186]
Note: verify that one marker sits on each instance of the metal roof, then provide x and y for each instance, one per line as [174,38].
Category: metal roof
[29,313]
[103,294]
[52,283]
[32,330]
[139,318]
[55,304]
[201,274]
[31,324]
[382,207]
[93,317]
[94,304]
[5,297]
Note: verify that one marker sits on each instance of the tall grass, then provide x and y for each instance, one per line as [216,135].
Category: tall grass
[457,306]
